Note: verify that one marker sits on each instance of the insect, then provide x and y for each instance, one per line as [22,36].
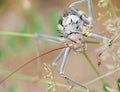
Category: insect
[73,26]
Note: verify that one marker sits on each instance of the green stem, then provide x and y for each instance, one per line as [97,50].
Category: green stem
[92,65]
[29,78]
[17,34]
[103,76]
[116,44]
[32,35]
[93,42]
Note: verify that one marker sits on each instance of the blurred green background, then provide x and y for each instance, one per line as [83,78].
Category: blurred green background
[30,16]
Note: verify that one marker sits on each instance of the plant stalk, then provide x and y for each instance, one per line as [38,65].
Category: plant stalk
[93,67]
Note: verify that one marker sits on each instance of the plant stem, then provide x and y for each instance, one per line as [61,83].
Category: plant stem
[17,34]
[116,44]
[30,78]
[92,42]
[92,65]
[32,35]
[103,76]
[33,79]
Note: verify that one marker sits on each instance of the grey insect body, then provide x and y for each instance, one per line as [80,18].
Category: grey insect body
[74,25]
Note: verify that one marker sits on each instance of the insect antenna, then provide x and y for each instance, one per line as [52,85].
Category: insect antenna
[29,62]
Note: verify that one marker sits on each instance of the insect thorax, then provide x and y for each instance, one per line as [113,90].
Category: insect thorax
[71,23]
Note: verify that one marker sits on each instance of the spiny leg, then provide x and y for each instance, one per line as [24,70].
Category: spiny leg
[108,41]
[99,37]
[37,36]
[51,38]
[77,3]
[67,50]
[90,11]
[61,70]
[57,59]
[38,59]
[88,20]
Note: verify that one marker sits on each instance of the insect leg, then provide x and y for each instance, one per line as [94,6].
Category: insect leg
[61,72]
[90,11]
[77,3]
[67,50]
[52,38]
[108,42]
[57,59]
[38,59]
[43,36]
[96,36]
[88,20]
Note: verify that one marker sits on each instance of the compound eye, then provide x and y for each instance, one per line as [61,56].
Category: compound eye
[76,22]
[77,27]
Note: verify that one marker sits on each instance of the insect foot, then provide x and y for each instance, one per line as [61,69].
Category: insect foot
[74,82]
[62,74]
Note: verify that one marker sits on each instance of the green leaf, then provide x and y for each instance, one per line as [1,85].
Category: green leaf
[12,43]
[54,22]
[106,87]
[118,84]
[24,30]
[93,90]
[37,24]
[13,88]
